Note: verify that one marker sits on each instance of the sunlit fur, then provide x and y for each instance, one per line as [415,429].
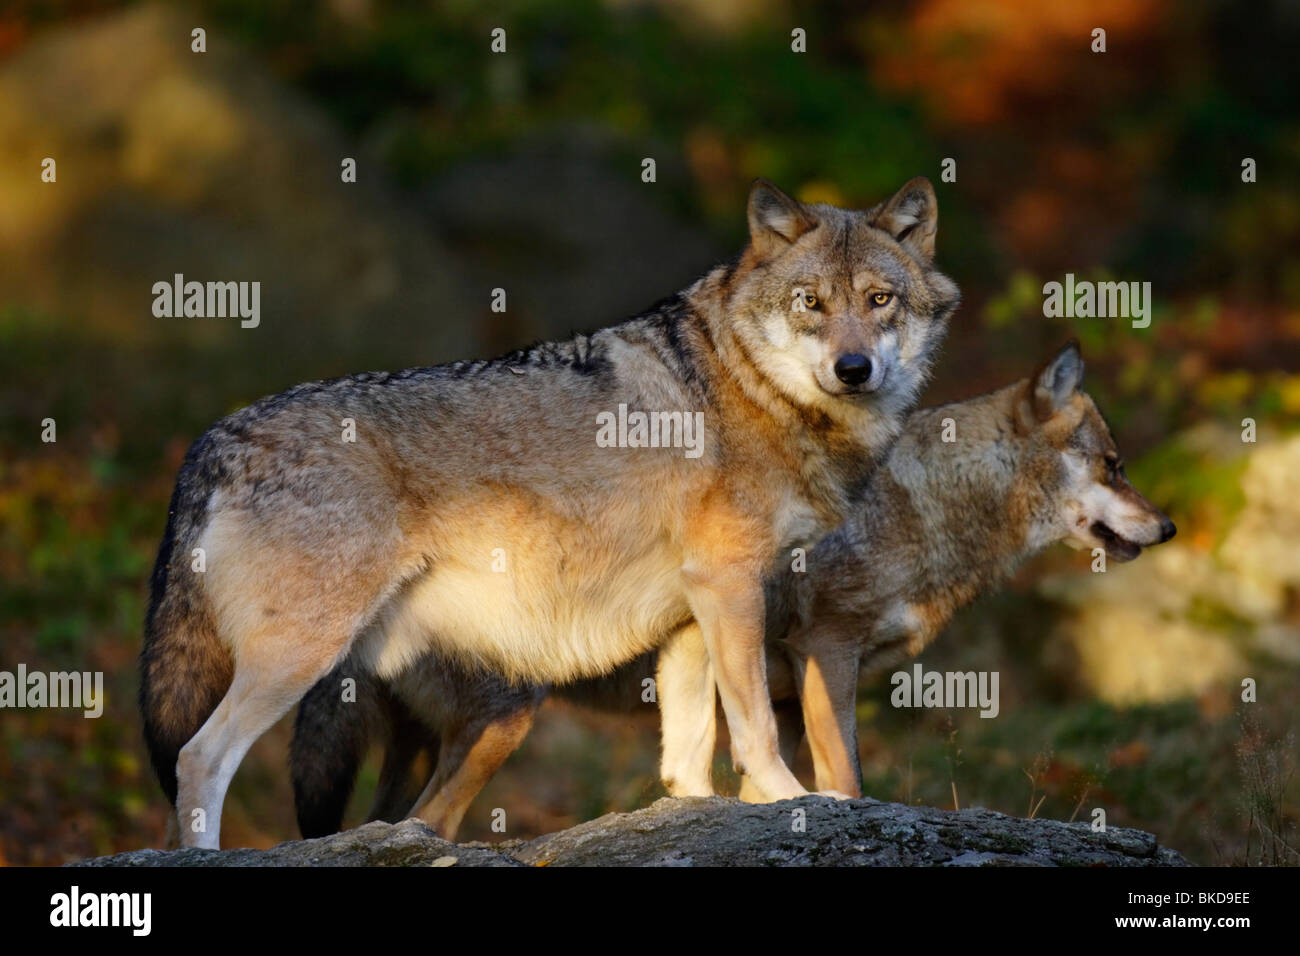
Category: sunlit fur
[943,522]
[476,516]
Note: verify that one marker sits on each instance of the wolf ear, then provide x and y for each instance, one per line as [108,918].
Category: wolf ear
[912,217]
[775,220]
[1051,387]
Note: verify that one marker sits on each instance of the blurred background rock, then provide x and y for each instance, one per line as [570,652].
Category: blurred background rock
[523,171]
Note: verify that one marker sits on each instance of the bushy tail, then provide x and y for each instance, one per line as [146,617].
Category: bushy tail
[330,737]
[185,668]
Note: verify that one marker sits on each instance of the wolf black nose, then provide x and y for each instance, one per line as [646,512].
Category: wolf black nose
[853,369]
[1167,530]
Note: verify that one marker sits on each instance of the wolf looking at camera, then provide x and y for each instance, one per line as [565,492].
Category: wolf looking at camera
[970,490]
[475,515]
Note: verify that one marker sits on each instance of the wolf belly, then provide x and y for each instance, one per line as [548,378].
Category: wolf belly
[531,621]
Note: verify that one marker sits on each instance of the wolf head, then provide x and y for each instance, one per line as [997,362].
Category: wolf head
[837,305]
[1089,502]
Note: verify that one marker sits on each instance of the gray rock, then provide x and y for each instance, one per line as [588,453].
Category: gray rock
[718,831]
[409,843]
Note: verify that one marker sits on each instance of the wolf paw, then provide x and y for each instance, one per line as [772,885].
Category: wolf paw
[835,794]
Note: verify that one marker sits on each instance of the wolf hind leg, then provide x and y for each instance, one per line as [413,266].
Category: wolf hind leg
[470,755]
[272,674]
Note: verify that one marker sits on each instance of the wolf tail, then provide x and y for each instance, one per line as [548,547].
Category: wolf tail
[330,737]
[185,667]
[331,734]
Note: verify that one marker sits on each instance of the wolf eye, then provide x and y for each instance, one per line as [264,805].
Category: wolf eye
[1114,468]
[810,300]
[881,298]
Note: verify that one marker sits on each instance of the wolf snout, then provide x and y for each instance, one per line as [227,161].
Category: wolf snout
[1167,529]
[853,369]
